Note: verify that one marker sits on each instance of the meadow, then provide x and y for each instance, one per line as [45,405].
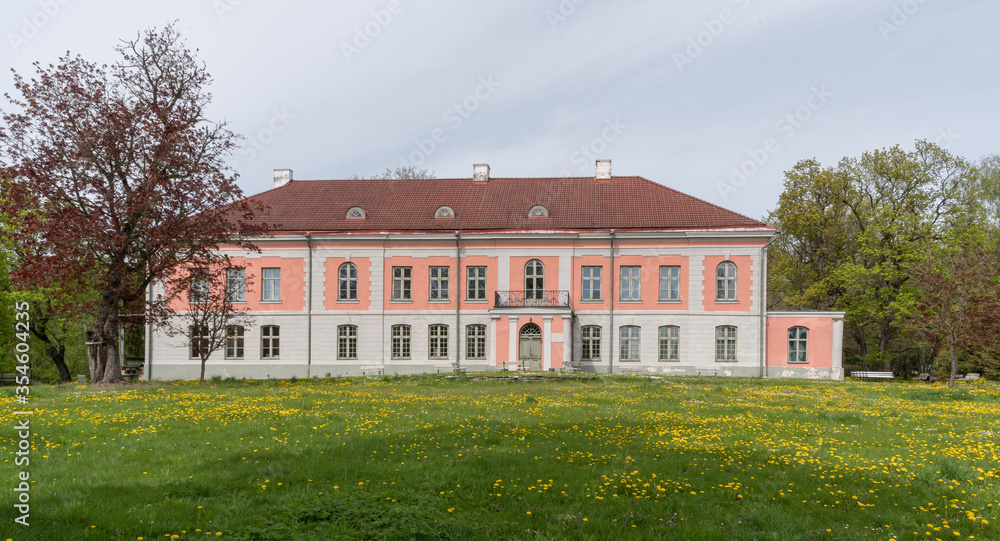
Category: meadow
[436,458]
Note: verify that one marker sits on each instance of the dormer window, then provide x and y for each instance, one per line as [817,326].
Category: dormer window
[538,211]
[444,212]
[356,213]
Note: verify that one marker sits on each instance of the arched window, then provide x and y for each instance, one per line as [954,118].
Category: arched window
[438,343]
[725,343]
[356,213]
[591,343]
[475,342]
[725,281]
[347,342]
[400,341]
[444,212]
[269,341]
[348,282]
[670,340]
[534,280]
[629,343]
[538,211]
[798,342]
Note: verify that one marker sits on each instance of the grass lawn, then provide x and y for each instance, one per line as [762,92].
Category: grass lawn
[432,458]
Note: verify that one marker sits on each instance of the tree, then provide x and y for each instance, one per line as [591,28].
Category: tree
[957,291]
[403,173]
[124,176]
[850,232]
[211,320]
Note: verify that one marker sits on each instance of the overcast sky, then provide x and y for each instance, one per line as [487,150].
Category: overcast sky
[715,98]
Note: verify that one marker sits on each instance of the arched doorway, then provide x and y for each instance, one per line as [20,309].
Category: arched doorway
[531,347]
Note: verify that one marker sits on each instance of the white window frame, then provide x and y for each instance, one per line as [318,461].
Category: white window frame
[630,349]
[590,336]
[270,342]
[199,340]
[347,342]
[631,284]
[235,342]
[201,286]
[670,343]
[590,283]
[401,342]
[670,283]
[725,343]
[725,282]
[270,290]
[345,291]
[440,280]
[537,280]
[402,282]
[475,341]
[437,343]
[236,285]
[798,345]
[475,289]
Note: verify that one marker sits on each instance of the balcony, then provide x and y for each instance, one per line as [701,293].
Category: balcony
[519,299]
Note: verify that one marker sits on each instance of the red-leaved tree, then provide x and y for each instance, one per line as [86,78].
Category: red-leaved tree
[957,296]
[117,177]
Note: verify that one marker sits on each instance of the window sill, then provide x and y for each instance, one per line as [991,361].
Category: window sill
[234,358]
[669,360]
[726,302]
[630,360]
[726,361]
[439,301]
[799,364]
[630,302]
[476,301]
[270,302]
[663,301]
[592,301]
[354,359]
[348,301]
[401,301]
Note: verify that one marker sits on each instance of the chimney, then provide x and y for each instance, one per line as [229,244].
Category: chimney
[481,172]
[603,170]
[282,177]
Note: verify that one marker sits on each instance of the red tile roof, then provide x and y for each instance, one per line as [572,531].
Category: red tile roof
[501,204]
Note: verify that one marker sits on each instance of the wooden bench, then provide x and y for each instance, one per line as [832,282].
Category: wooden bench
[926,377]
[972,376]
[454,367]
[708,372]
[8,379]
[873,376]
[378,369]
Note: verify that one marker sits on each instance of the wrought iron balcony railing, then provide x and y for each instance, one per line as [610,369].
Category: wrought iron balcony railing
[517,299]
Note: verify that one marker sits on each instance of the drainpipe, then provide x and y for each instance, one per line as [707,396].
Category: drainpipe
[611,338]
[148,369]
[458,299]
[309,304]
[762,299]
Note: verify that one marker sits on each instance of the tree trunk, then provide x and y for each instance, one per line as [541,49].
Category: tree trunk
[57,352]
[105,366]
[112,362]
[203,361]
[954,361]
[94,356]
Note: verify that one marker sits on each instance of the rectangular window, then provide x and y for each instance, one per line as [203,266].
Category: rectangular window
[200,285]
[591,287]
[670,283]
[670,343]
[591,343]
[271,285]
[400,341]
[234,342]
[630,283]
[476,289]
[438,343]
[401,283]
[269,342]
[725,343]
[439,283]
[199,340]
[475,342]
[798,342]
[347,342]
[629,343]
[236,282]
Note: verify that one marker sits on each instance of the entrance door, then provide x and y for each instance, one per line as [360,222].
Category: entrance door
[531,347]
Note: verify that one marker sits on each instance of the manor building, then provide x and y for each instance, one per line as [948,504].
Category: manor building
[601,274]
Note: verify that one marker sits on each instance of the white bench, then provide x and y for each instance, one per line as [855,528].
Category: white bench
[454,367]
[373,368]
[873,376]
